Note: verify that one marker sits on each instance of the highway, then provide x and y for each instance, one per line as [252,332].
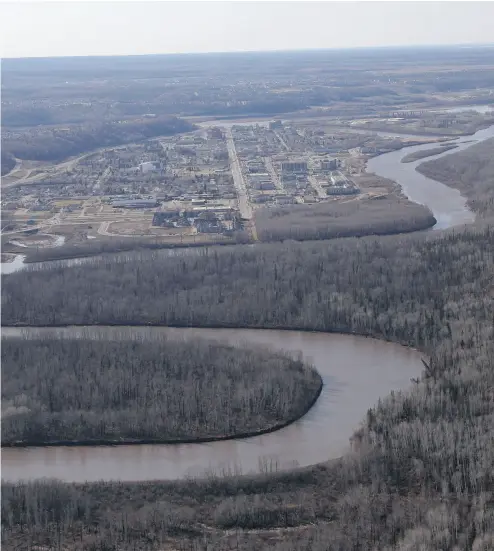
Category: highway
[244,205]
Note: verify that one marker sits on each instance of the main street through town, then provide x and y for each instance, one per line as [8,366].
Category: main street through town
[244,205]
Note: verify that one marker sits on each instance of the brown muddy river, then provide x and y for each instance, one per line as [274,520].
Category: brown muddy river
[446,203]
[356,372]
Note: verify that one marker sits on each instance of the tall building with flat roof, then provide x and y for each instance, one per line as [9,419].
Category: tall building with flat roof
[328,164]
[294,166]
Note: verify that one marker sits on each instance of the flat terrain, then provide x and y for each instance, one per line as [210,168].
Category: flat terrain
[428,293]
[128,132]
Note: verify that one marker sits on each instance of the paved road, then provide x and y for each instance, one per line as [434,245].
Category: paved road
[54,169]
[244,205]
[282,141]
[272,172]
[51,170]
[238,178]
[105,226]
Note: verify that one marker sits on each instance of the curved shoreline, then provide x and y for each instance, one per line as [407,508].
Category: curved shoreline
[143,441]
[461,140]
[356,372]
[447,204]
[141,325]
[30,260]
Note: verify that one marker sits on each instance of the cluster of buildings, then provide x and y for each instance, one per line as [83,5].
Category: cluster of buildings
[219,220]
[280,165]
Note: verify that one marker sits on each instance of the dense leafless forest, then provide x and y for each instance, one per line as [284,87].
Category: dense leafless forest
[66,390]
[354,218]
[411,157]
[113,89]
[369,285]
[421,474]
[90,248]
[382,216]
[55,144]
[471,171]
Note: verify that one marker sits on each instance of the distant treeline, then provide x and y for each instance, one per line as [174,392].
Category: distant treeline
[56,143]
[69,390]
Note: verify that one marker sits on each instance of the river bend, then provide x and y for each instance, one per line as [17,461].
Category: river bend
[356,371]
[447,204]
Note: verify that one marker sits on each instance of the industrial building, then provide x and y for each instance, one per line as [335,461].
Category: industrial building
[342,190]
[261,181]
[294,166]
[148,166]
[135,204]
[328,164]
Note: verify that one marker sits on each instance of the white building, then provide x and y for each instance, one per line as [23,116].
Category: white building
[148,166]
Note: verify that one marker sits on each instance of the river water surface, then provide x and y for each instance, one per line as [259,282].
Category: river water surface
[446,203]
[356,372]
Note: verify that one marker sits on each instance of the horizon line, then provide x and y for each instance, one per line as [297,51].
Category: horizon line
[282,50]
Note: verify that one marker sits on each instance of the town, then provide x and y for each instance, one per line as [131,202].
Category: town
[198,187]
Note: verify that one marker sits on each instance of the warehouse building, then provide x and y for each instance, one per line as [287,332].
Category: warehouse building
[328,164]
[294,166]
[135,204]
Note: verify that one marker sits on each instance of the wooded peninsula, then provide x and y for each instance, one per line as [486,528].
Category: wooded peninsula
[68,391]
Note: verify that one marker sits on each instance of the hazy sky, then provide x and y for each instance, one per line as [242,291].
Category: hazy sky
[105,28]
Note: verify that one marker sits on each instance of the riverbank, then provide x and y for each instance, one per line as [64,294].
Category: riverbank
[419,290]
[118,392]
[447,206]
[355,372]
[88,250]
[446,203]
[157,441]
[50,258]
[19,330]
[471,171]
[428,153]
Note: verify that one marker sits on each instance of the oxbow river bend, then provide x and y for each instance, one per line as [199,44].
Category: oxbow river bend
[356,372]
